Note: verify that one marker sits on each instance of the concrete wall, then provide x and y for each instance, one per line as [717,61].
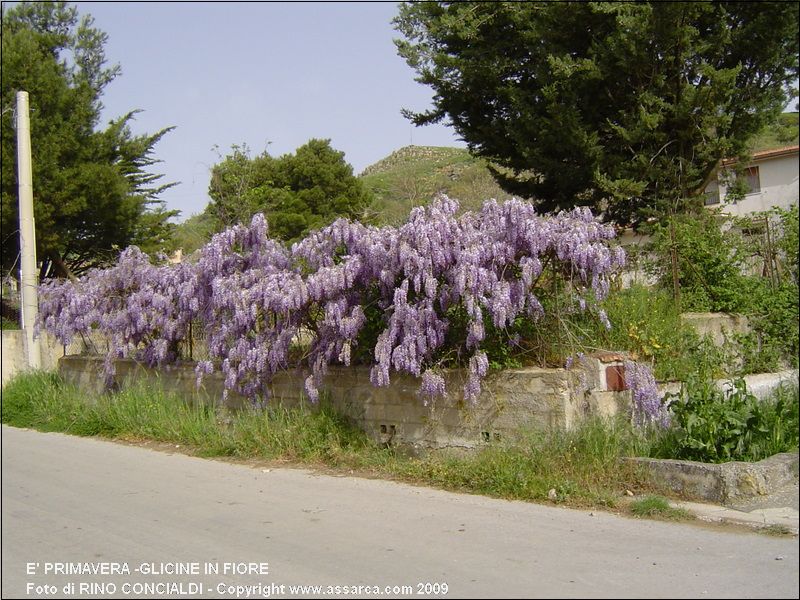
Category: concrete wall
[717,326]
[760,385]
[509,400]
[394,414]
[724,483]
[14,356]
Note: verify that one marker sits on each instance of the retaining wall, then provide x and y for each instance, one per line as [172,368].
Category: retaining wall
[718,326]
[725,482]
[394,414]
[510,399]
[760,385]
[14,355]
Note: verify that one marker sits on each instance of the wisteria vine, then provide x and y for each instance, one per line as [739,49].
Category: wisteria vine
[647,407]
[254,297]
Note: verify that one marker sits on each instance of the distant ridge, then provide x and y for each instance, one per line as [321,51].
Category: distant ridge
[414,154]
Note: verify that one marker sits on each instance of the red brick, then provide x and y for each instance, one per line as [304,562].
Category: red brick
[615,378]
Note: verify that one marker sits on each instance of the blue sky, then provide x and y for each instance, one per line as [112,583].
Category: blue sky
[268,75]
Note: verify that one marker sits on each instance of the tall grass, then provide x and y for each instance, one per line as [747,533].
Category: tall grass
[581,465]
[43,401]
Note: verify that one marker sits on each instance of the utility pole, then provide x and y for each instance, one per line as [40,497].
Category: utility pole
[27,233]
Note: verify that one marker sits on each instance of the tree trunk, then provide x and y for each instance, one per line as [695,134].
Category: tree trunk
[60,268]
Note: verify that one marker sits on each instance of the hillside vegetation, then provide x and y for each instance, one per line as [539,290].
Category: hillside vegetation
[784,132]
[412,175]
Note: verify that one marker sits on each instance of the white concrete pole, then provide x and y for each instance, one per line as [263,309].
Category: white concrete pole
[27,232]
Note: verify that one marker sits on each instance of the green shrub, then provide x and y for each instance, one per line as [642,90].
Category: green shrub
[774,321]
[714,256]
[8,324]
[710,263]
[712,425]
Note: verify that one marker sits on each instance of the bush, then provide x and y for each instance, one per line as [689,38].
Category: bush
[710,263]
[8,324]
[774,319]
[712,425]
[714,257]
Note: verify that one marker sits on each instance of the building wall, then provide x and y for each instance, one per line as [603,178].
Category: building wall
[780,187]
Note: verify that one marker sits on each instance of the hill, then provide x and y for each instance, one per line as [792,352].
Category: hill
[783,132]
[413,175]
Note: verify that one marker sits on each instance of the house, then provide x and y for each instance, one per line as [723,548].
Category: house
[771,178]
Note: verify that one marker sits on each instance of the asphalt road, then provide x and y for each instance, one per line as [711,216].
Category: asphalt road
[72,506]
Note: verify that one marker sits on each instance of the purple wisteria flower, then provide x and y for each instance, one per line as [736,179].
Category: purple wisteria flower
[647,409]
[253,296]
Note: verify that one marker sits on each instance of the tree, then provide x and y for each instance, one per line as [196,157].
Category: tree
[625,107]
[297,192]
[93,194]
[193,233]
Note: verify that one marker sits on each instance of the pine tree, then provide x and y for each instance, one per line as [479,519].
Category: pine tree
[93,192]
[624,107]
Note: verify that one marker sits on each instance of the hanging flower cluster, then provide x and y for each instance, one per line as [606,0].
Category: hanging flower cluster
[254,297]
[647,408]
[140,309]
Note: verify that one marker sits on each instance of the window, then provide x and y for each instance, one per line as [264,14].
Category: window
[712,194]
[752,180]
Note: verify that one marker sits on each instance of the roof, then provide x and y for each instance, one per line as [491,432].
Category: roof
[767,154]
[775,152]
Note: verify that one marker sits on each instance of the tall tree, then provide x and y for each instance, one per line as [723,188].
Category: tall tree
[297,192]
[93,193]
[625,107]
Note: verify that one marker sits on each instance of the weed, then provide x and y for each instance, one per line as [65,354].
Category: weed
[776,530]
[713,425]
[582,464]
[658,506]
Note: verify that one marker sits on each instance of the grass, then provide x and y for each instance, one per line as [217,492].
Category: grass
[776,530]
[782,132]
[8,324]
[582,465]
[43,401]
[658,507]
